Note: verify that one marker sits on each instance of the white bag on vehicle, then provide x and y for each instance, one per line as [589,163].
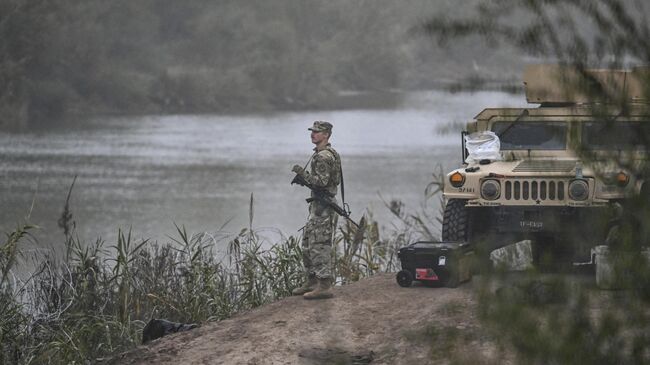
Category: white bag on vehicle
[482,146]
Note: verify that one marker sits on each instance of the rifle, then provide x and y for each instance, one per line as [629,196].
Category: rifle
[323,196]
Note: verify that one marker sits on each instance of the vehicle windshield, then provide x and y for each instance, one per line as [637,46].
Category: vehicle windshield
[616,135]
[531,135]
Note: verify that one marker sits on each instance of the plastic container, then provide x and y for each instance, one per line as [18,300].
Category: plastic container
[482,146]
[604,270]
[607,276]
[436,263]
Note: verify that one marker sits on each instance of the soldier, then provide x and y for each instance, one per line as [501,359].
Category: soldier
[318,233]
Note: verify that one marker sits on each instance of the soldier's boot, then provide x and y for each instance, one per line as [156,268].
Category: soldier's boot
[310,284]
[323,291]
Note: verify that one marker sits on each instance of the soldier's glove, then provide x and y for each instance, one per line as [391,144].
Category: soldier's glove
[298,169]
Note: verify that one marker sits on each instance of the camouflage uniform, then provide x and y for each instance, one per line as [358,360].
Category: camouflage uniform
[319,230]
[324,174]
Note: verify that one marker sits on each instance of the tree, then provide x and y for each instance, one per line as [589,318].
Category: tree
[555,322]
[21,36]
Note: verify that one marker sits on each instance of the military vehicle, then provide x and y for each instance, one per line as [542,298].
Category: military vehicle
[561,164]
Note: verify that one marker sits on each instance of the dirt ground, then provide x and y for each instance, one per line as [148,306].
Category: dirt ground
[373,321]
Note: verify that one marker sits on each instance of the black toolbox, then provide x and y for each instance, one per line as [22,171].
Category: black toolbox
[437,263]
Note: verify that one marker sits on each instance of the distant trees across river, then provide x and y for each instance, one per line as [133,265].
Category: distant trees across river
[74,57]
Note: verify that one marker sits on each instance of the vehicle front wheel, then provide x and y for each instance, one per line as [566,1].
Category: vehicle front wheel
[455,221]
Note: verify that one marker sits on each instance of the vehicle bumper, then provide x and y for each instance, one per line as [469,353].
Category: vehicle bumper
[509,219]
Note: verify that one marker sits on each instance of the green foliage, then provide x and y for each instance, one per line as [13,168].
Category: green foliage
[95,300]
[561,320]
[62,58]
[558,321]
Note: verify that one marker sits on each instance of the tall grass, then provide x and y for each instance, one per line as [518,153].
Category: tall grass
[95,299]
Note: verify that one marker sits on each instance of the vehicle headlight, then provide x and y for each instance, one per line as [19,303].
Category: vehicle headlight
[490,190]
[578,190]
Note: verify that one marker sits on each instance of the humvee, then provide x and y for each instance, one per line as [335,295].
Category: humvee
[563,163]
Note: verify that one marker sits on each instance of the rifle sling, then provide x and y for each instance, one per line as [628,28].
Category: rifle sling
[342,185]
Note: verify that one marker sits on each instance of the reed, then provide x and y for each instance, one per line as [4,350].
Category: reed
[95,299]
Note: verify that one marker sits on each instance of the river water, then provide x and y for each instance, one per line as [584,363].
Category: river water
[149,172]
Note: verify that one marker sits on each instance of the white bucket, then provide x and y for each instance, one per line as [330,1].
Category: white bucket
[604,269]
[605,273]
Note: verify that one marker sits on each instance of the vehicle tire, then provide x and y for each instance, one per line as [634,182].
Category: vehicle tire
[455,221]
[404,278]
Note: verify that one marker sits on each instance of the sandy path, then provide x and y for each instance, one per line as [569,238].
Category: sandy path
[373,321]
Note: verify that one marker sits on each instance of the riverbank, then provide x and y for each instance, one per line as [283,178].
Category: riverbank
[515,318]
[94,299]
[373,321]
[92,305]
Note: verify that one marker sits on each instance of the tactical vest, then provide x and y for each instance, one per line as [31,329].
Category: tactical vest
[335,173]
[337,169]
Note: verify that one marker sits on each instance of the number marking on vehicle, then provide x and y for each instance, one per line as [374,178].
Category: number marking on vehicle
[531,224]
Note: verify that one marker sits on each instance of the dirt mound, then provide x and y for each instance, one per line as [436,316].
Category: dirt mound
[373,321]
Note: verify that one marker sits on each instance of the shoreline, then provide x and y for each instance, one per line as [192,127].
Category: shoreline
[342,100]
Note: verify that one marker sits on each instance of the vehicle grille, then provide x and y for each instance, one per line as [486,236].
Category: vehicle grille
[534,190]
[545,166]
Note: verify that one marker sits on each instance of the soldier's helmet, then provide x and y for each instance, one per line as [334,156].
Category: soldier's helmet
[321,126]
